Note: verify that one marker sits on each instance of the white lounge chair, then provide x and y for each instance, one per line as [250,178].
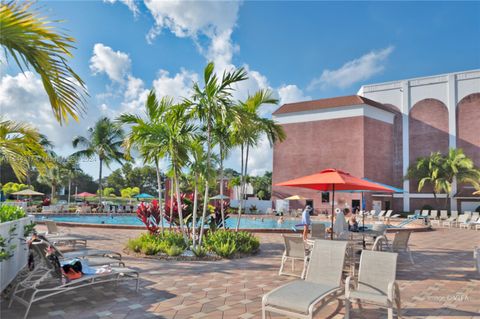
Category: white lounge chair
[443,216]
[294,250]
[299,298]
[433,214]
[54,235]
[380,243]
[376,282]
[46,280]
[450,221]
[462,219]
[471,223]
[380,215]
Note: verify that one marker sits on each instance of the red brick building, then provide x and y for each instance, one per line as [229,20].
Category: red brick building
[377,134]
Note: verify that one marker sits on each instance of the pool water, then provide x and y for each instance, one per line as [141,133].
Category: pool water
[245,222]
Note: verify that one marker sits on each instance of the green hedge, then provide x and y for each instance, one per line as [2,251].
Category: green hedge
[224,243]
[9,213]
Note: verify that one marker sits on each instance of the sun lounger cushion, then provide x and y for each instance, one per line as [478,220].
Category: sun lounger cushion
[298,295]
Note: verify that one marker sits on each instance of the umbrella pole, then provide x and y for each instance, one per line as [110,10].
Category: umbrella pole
[363,225]
[333,204]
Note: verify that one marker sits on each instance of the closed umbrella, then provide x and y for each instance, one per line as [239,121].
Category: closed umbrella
[332,179]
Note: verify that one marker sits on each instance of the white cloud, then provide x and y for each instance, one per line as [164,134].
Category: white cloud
[177,86]
[115,64]
[291,93]
[354,71]
[129,3]
[191,18]
[23,99]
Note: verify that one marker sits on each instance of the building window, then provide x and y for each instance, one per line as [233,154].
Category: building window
[325,197]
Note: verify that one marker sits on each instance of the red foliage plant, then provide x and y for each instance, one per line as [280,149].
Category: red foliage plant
[150,215]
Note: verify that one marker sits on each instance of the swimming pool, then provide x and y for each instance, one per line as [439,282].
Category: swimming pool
[245,222]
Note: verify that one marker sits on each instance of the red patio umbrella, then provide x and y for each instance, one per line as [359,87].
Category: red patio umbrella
[85,194]
[331,179]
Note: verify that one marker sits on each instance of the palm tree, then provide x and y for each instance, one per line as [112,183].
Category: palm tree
[179,133]
[208,104]
[249,127]
[427,171]
[32,42]
[148,136]
[221,137]
[457,166]
[53,176]
[71,168]
[104,141]
[20,145]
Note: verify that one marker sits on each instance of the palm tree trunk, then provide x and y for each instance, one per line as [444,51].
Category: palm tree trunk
[194,221]
[205,199]
[221,186]
[159,185]
[69,189]
[53,190]
[100,188]
[171,202]
[179,206]
[242,177]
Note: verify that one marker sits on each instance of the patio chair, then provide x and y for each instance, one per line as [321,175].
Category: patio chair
[46,279]
[424,214]
[462,219]
[400,244]
[318,231]
[381,230]
[380,243]
[371,214]
[450,221]
[54,235]
[376,282]
[299,298]
[294,250]
[433,214]
[389,215]
[438,221]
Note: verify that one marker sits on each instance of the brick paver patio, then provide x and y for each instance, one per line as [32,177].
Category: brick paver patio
[442,283]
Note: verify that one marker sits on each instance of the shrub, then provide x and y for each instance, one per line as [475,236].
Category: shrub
[226,249]
[152,244]
[225,243]
[174,250]
[134,245]
[199,251]
[9,213]
[150,248]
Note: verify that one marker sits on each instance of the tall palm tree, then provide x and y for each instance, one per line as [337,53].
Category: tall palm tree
[19,144]
[179,132]
[54,175]
[71,168]
[31,41]
[104,140]
[249,127]
[149,135]
[210,102]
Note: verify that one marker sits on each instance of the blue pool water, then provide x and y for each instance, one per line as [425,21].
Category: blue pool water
[245,223]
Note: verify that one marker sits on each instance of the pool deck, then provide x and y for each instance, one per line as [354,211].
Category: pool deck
[441,284]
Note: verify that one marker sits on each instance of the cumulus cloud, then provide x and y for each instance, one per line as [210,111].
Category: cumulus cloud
[129,3]
[115,64]
[291,93]
[354,71]
[177,86]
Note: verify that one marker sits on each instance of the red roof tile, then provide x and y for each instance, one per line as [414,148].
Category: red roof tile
[329,103]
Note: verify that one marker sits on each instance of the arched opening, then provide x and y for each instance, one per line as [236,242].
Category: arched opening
[468,126]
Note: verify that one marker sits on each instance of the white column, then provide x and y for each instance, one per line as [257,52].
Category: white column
[452,126]
[405,142]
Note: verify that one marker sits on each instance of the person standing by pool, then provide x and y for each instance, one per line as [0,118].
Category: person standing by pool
[306,221]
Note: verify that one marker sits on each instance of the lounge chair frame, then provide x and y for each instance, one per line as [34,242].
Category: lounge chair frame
[45,273]
[294,250]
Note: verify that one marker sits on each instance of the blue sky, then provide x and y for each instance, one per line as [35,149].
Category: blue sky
[300,50]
